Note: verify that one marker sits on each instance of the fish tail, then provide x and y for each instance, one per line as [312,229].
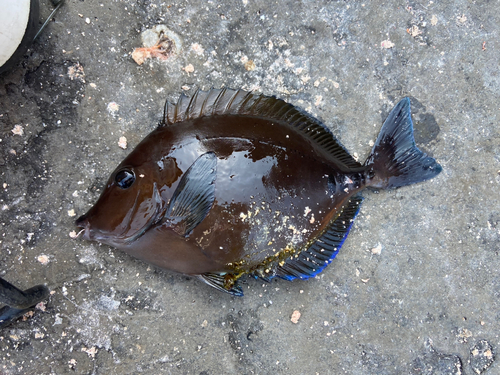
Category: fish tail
[395,159]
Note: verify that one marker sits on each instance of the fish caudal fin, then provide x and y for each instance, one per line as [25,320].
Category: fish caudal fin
[395,159]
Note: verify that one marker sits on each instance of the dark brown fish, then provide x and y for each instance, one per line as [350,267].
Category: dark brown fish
[234,183]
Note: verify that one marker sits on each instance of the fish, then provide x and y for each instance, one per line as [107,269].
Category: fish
[234,183]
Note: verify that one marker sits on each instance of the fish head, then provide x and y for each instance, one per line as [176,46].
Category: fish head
[131,202]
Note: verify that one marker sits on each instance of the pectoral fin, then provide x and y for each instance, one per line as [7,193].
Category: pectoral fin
[224,283]
[194,196]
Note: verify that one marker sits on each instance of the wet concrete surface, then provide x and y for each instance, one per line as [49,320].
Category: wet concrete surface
[415,289]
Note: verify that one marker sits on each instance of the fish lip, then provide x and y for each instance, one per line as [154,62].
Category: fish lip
[83,223]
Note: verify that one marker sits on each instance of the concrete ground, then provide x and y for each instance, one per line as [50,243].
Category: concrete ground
[415,289]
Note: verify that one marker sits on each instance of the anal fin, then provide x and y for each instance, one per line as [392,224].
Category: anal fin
[314,259]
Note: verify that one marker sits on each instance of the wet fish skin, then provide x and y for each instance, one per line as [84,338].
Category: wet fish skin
[237,183]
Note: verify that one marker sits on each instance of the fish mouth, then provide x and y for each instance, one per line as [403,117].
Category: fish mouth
[83,223]
[114,240]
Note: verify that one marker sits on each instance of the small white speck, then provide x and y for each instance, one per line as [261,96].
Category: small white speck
[387,44]
[44,259]
[189,68]
[113,108]
[377,249]
[18,130]
[295,317]
[122,142]
[197,48]
[58,320]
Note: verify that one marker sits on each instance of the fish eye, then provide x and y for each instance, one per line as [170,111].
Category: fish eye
[125,178]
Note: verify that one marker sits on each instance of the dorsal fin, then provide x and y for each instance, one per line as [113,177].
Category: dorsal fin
[240,102]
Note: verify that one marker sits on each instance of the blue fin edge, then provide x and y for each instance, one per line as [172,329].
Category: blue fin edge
[320,254]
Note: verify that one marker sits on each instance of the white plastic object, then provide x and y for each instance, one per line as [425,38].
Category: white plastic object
[17,28]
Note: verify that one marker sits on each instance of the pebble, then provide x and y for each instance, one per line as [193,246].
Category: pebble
[295,317]
[481,356]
